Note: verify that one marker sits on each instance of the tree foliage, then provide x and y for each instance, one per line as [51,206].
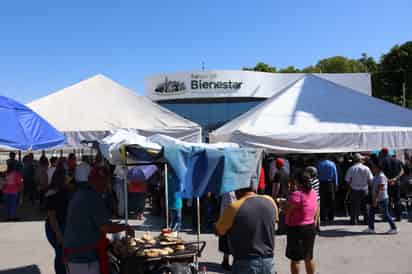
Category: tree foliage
[394,68]
[262,67]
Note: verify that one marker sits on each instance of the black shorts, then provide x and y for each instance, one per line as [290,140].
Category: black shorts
[300,242]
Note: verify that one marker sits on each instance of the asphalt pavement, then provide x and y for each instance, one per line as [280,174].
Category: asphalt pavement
[339,248]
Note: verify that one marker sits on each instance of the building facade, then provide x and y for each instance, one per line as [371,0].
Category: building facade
[212,98]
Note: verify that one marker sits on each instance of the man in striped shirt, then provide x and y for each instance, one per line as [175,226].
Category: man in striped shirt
[312,172]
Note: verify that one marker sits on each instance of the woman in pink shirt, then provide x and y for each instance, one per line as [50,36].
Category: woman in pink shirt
[11,188]
[300,211]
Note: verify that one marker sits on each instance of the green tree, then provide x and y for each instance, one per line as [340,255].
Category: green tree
[311,69]
[339,64]
[289,69]
[394,69]
[369,64]
[263,67]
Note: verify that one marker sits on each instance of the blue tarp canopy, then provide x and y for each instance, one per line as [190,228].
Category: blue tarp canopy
[195,168]
[200,170]
[24,129]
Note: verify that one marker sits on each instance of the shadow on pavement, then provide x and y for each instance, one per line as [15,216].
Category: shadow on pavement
[30,269]
[338,233]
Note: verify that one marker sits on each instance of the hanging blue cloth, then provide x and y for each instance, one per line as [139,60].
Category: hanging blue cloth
[201,170]
[24,129]
[173,191]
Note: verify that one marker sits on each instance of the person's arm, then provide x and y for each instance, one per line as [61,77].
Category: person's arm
[379,190]
[289,207]
[275,189]
[276,186]
[51,215]
[335,175]
[348,176]
[348,180]
[20,182]
[225,222]
[277,212]
[115,228]
[370,177]
[101,217]
[290,204]
[397,177]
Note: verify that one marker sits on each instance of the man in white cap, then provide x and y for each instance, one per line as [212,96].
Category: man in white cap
[358,177]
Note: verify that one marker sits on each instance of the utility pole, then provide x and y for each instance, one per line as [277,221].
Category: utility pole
[203,66]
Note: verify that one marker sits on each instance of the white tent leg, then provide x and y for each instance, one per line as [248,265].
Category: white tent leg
[198,231]
[167,197]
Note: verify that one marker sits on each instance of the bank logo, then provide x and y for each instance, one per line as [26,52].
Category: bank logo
[170,87]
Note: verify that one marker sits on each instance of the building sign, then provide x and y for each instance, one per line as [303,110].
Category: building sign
[198,83]
[170,87]
[238,83]
[210,82]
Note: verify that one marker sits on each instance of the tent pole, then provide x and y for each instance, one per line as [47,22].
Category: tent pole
[198,231]
[166,197]
[126,192]
[126,211]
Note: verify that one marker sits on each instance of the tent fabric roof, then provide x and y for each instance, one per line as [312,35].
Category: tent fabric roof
[99,104]
[315,115]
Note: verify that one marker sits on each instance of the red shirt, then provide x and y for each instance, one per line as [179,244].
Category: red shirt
[12,183]
[137,187]
[262,181]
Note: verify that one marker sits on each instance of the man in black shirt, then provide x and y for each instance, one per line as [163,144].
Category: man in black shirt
[393,170]
[249,224]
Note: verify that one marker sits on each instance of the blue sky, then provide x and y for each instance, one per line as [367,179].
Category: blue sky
[48,45]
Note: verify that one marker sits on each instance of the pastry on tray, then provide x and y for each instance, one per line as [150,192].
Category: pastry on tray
[140,241]
[132,242]
[168,242]
[147,237]
[179,247]
[169,250]
[152,252]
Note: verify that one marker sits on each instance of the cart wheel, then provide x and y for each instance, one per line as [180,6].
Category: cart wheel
[177,268]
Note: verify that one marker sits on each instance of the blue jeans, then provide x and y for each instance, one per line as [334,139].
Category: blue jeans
[176,217]
[11,201]
[384,205]
[254,266]
[59,266]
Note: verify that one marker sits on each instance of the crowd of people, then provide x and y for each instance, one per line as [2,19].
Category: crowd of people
[307,193]
[300,194]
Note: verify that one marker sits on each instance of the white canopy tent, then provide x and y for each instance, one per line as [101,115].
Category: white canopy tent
[314,115]
[91,109]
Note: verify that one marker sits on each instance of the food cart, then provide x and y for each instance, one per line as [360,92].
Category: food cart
[143,258]
[150,254]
